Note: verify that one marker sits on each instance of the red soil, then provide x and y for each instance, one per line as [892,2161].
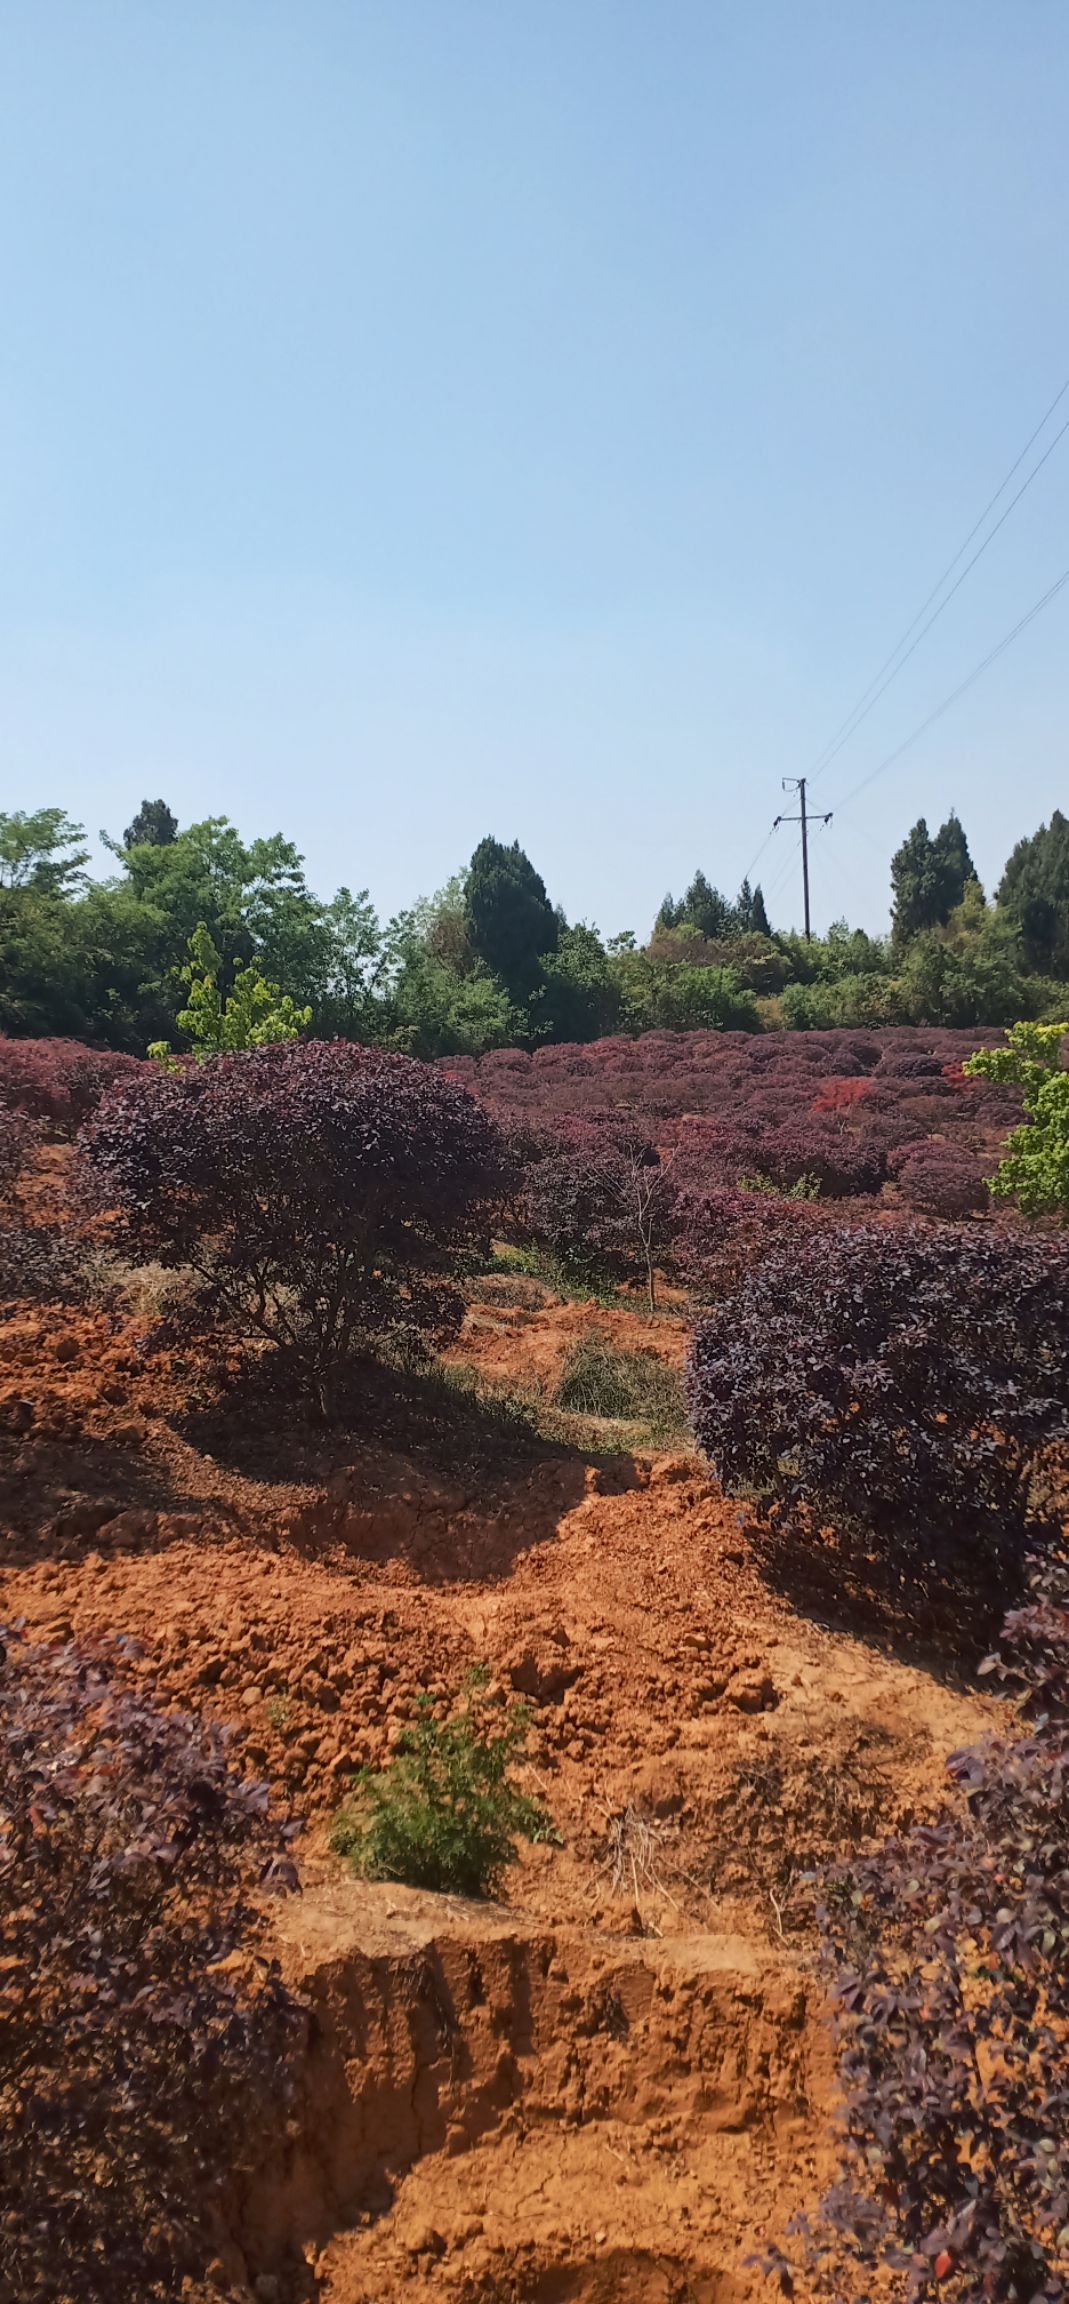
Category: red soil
[618,2085]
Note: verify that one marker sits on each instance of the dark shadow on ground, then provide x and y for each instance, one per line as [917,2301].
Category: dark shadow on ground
[451,1430]
[56,1495]
[944,1627]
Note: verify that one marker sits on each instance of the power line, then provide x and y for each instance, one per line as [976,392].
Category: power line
[992,655]
[766,842]
[870,696]
[784,871]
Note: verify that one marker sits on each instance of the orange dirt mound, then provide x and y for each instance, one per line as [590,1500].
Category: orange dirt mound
[617,2086]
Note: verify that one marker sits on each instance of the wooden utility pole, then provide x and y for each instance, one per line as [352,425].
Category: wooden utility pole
[797,784]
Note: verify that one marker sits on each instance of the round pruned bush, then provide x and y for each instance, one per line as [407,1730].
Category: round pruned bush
[599,1199]
[842,1166]
[326,1196]
[883,1394]
[949,1958]
[59,1082]
[725,1233]
[145,2040]
[941,1181]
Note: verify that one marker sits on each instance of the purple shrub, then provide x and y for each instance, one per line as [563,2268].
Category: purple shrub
[724,1234]
[601,1201]
[59,1082]
[940,1181]
[14,1149]
[947,1955]
[327,1196]
[143,2043]
[885,1393]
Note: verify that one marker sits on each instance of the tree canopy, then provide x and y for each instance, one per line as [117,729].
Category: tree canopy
[491,961]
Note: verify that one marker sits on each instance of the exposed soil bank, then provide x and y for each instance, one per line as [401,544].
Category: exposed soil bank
[619,2086]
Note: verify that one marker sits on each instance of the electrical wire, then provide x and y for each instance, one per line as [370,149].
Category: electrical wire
[784,872]
[766,842]
[929,721]
[870,696]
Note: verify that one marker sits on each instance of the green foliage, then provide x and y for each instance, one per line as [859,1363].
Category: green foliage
[42,852]
[1035,1171]
[511,923]
[929,878]
[966,971]
[659,996]
[253,1014]
[490,962]
[446,1813]
[630,1387]
[705,911]
[1034,892]
[42,874]
[154,824]
[580,997]
[840,1002]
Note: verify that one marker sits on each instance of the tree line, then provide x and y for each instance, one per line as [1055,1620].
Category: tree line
[490,961]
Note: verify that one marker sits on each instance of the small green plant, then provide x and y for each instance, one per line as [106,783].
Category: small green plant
[446,1813]
[632,1387]
[803,1188]
[278,1709]
[1035,1171]
[254,1014]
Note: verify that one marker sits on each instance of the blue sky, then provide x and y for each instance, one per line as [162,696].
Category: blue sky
[430,417]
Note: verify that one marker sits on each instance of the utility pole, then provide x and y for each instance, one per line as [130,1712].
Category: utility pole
[797,784]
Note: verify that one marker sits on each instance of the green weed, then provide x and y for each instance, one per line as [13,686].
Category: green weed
[446,1813]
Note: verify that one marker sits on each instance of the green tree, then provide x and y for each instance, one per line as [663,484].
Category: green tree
[511,923]
[966,971]
[154,826]
[954,864]
[1035,1171]
[43,985]
[348,1006]
[1034,892]
[928,878]
[42,852]
[580,999]
[254,1014]
[705,909]
[442,1006]
[656,996]
[753,916]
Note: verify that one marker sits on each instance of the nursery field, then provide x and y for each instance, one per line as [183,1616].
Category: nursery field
[243,1548]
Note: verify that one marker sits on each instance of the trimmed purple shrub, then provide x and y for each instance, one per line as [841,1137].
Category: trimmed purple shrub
[139,2055]
[938,1180]
[601,1201]
[326,1195]
[59,1082]
[724,1234]
[948,1956]
[884,1393]
[843,1166]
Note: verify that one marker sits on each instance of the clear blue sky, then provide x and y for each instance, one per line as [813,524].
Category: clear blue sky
[430,417]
